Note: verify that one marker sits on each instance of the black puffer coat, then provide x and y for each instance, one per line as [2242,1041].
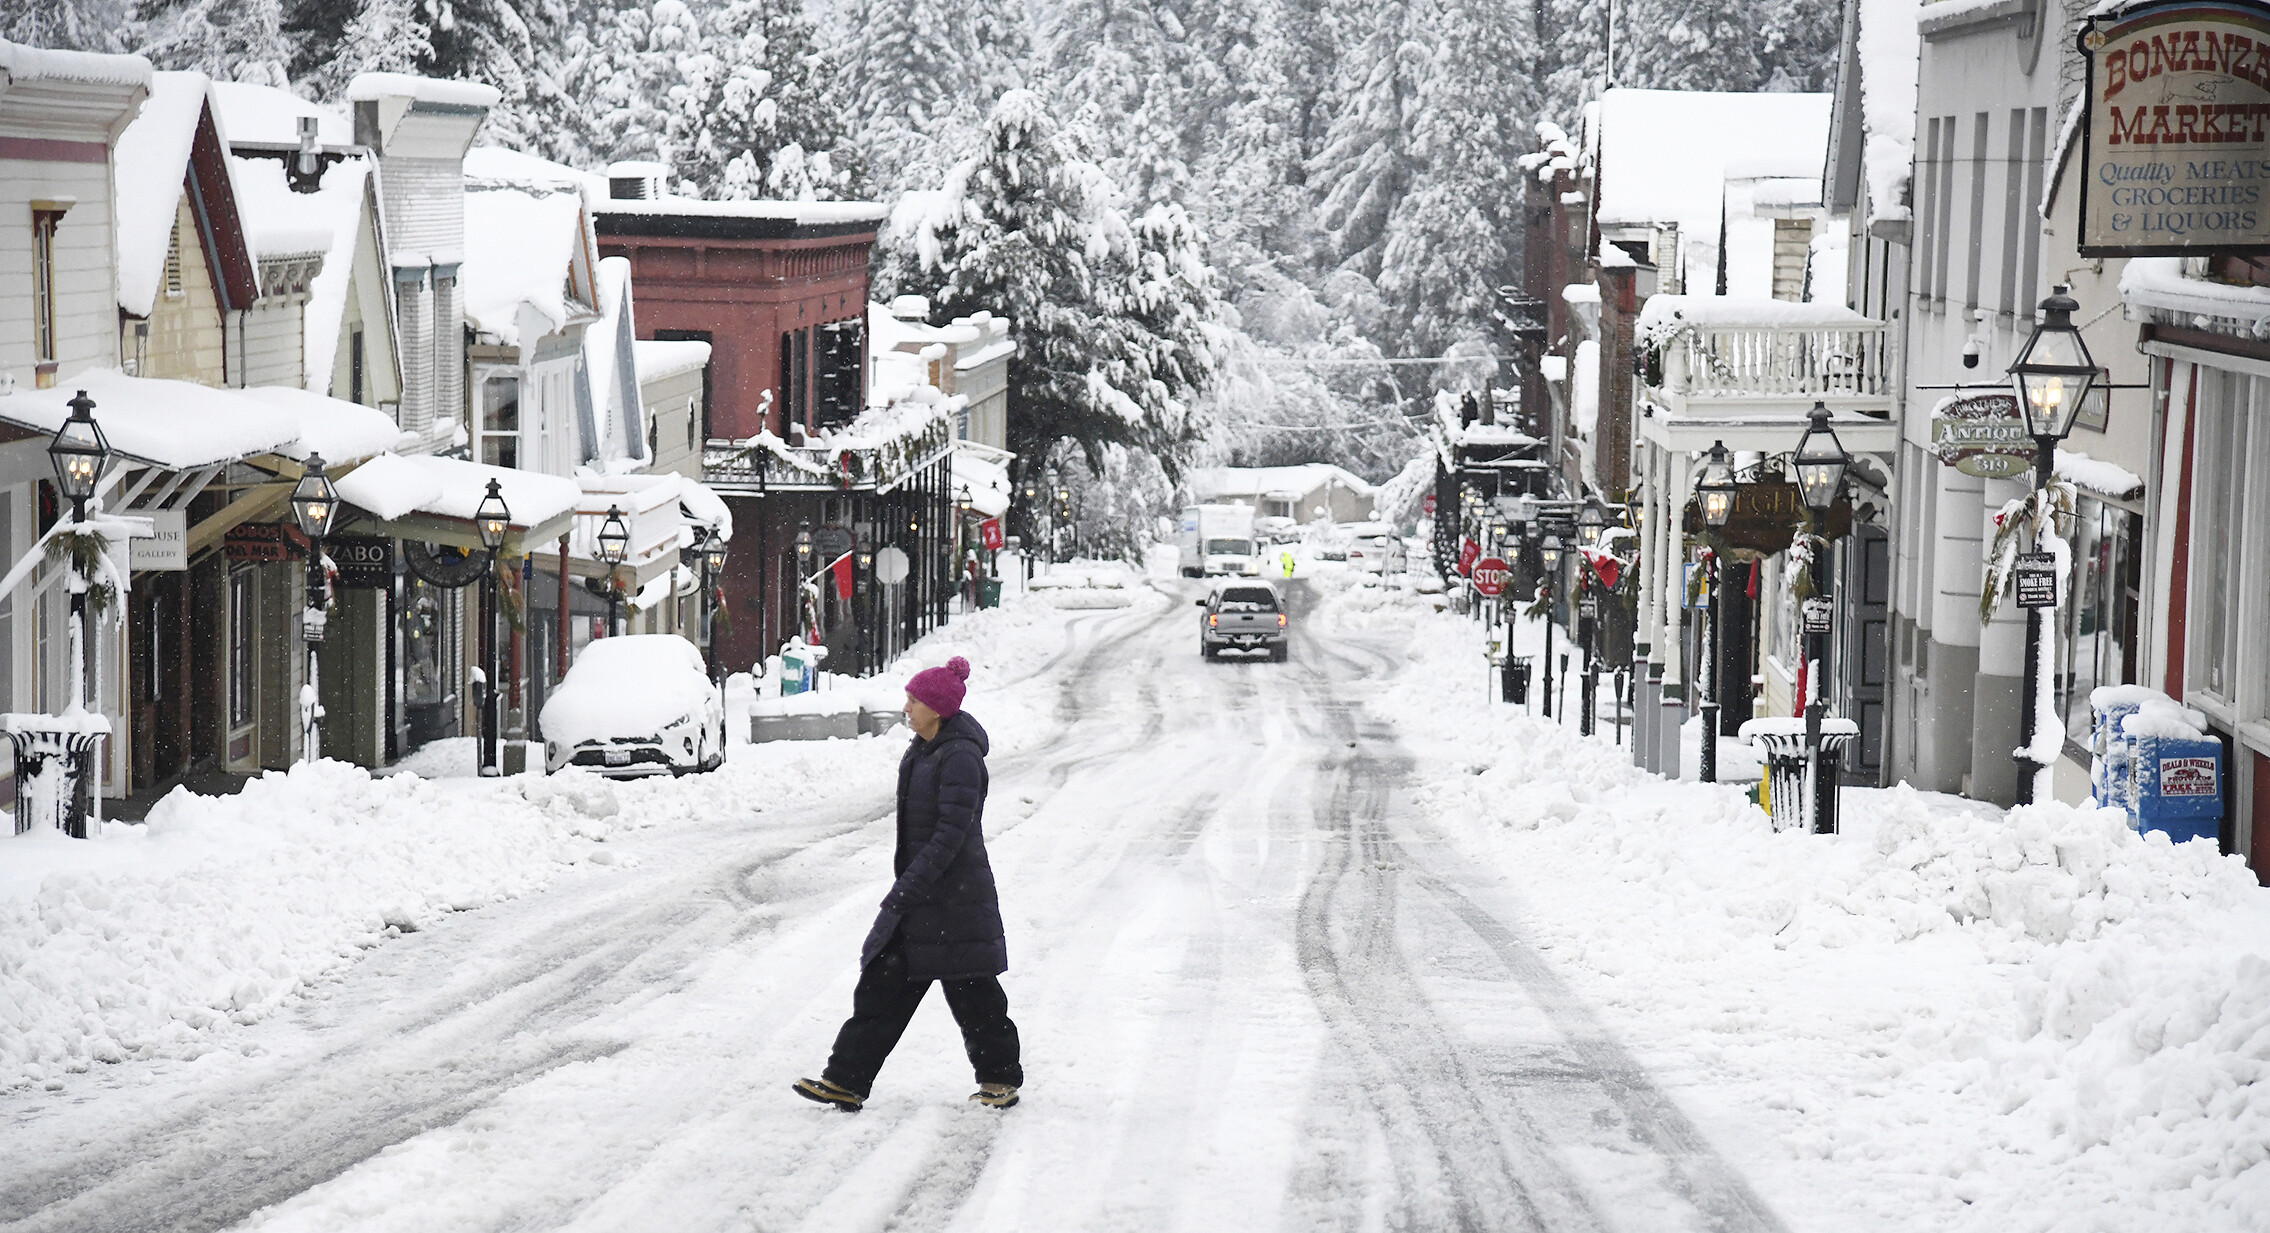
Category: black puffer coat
[952,918]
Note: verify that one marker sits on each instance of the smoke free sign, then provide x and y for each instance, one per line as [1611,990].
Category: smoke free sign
[2178,130]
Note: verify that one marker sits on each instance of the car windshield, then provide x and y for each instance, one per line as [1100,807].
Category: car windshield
[1248,599]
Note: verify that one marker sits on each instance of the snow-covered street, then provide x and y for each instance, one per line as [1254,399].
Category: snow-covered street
[1327,944]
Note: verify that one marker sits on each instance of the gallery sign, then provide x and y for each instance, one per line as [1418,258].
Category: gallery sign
[2178,130]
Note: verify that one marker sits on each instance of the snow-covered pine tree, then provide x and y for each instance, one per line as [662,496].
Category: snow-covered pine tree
[1365,165]
[384,36]
[232,40]
[1572,57]
[1455,237]
[513,45]
[1687,45]
[920,75]
[1113,320]
[758,113]
[628,67]
[75,25]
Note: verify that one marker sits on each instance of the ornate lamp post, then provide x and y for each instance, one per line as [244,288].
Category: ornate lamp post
[1820,463]
[2052,376]
[1715,491]
[614,549]
[1551,552]
[712,569]
[1064,511]
[315,503]
[494,520]
[1589,523]
[80,453]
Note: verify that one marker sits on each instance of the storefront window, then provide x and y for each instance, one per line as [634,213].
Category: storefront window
[2097,645]
[243,648]
[426,638]
[2217,518]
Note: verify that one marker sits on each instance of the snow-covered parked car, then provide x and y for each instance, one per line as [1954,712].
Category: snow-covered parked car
[641,704]
[1375,548]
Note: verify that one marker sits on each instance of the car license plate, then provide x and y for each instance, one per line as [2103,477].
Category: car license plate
[618,757]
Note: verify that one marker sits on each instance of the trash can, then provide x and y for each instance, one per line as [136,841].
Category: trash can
[797,668]
[989,592]
[2179,786]
[1517,670]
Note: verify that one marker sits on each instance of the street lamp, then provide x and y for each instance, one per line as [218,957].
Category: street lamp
[1820,463]
[493,519]
[1715,491]
[80,452]
[315,503]
[2052,375]
[614,549]
[710,544]
[1550,550]
[1589,522]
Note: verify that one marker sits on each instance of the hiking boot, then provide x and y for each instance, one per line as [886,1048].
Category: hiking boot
[994,1095]
[826,1093]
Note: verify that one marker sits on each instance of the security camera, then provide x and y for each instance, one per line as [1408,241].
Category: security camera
[1970,352]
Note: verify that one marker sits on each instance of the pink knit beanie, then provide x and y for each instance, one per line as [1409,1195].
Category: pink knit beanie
[941,689]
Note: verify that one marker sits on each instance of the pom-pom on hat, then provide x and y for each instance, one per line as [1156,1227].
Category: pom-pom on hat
[941,689]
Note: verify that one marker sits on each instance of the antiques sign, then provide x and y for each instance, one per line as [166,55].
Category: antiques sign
[2178,134]
[1983,436]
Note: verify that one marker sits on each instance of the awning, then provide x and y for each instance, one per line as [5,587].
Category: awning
[987,483]
[175,425]
[339,430]
[435,500]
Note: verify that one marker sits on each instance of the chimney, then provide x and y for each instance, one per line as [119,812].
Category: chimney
[636,181]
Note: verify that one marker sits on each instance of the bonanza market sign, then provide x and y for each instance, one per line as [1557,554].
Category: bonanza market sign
[2178,135]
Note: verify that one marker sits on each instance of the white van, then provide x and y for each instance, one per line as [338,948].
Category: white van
[1218,539]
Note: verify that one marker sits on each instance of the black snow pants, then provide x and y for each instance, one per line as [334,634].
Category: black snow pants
[884,1003]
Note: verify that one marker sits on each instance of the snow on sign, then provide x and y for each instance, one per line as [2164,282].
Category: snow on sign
[2178,134]
[2188,777]
[1490,576]
[2036,580]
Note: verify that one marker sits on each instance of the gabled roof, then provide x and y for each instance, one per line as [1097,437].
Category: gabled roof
[528,243]
[174,147]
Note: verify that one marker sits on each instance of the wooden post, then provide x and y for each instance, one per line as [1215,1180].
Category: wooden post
[566,640]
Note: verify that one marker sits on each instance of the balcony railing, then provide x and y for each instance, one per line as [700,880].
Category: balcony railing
[1728,367]
[868,462]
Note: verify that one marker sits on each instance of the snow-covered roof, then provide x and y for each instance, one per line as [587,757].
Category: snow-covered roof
[502,166]
[987,483]
[2158,283]
[803,213]
[267,118]
[659,358]
[339,430]
[610,362]
[391,486]
[1888,46]
[150,168]
[1665,153]
[1663,314]
[368,87]
[520,241]
[179,425]
[19,63]
[278,216]
[1209,483]
[1584,389]
[2107,479]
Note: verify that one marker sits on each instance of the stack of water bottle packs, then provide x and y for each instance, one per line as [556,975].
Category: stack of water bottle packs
[2154,760]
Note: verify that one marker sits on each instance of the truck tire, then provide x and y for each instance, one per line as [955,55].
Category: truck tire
[1278,653]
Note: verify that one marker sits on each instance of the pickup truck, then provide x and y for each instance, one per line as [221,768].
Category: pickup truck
[1245,617]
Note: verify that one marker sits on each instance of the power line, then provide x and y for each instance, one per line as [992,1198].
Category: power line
[1381,361]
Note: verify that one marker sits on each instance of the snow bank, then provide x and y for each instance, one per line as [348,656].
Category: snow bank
[220,908]
[1972,1019]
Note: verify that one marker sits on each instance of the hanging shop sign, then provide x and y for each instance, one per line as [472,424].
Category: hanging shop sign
[258,541]
[1767,515]
[166,547]
[1820,615]
[442,565]
[2177,137]
[989,534]
[1982,435]
[2035,580]
[363,562]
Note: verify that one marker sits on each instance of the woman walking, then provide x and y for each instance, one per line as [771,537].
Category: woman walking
[941,920]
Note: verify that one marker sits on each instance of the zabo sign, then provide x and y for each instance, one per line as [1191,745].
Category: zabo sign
[1490,575]
[2178,135]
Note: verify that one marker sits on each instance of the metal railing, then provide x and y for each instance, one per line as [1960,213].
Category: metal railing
[773,465]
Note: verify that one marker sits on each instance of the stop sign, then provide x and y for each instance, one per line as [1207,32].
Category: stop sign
[1427,503]
[1490,576]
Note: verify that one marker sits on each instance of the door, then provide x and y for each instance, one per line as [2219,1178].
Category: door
[1865,585]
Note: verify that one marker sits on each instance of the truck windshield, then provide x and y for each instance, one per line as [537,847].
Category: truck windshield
[1229,548]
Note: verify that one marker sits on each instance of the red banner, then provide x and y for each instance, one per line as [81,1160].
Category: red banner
[989,534]
[1467,551]
[843,576]
[1606,565]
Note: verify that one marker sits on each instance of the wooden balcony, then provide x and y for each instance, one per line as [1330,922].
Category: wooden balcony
[876,461]
[1747,372]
